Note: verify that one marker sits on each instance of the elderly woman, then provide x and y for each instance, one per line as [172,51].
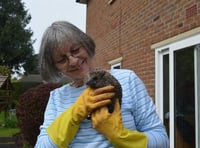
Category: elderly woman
[67,51]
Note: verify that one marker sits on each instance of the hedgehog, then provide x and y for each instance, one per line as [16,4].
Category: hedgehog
[99,78]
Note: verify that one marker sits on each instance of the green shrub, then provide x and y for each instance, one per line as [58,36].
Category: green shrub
[11,122]
[5,71]
[30,110]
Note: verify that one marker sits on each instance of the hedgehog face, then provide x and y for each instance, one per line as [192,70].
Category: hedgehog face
[94,78]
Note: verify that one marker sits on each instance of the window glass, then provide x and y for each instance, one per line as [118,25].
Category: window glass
[166,91]
[116,66]
[184,96]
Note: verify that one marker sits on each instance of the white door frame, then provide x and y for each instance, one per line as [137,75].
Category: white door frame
[169,49]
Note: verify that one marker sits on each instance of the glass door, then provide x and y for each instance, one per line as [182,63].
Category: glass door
[184,98]
[178,91]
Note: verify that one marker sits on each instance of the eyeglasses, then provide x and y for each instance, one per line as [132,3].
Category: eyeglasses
[73,53]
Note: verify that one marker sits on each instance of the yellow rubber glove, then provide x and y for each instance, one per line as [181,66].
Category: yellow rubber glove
[65,126]
[111,126]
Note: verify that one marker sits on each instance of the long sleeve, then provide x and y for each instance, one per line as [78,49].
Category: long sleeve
[146,118]
[44,140]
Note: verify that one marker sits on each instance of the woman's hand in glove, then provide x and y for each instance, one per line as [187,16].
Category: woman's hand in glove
[111,126]
[91,100]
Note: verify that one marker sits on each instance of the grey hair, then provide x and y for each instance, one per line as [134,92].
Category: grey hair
[58,35]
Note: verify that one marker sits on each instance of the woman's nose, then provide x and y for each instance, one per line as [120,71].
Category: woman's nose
[73,61]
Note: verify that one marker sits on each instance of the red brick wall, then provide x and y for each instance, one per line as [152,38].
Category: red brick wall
[128,28]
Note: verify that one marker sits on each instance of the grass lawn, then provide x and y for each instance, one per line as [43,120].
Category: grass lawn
[8,132]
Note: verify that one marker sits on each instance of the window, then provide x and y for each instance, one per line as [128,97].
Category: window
[178,90]
[115,64]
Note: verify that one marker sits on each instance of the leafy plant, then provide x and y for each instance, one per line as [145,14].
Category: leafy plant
[30,110]
[5,71]
[11,122]
[8,128]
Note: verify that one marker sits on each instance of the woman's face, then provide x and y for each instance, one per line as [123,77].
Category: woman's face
[73,61]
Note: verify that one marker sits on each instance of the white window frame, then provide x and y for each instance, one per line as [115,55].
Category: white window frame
[115,63]
[179,42]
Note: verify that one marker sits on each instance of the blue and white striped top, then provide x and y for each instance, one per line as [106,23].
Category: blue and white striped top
[138,113]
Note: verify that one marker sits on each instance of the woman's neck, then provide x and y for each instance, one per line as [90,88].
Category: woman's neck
[77,83]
